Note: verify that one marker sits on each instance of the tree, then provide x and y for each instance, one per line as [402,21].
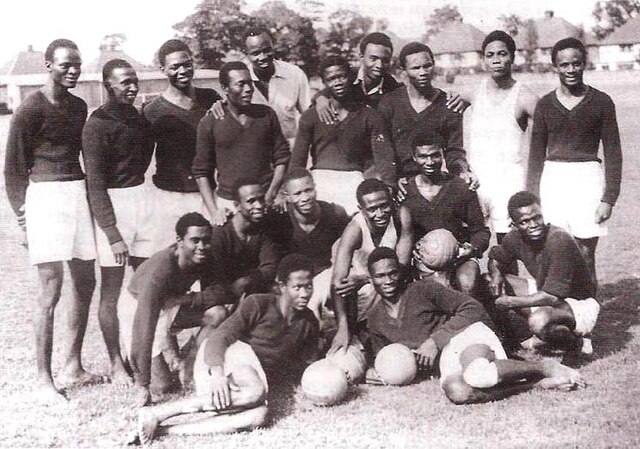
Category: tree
[512,23]
[312,9]
[441,17]
[612,14]
[530,42]
[346,29]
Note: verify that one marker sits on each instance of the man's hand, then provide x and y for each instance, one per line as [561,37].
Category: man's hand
[22,224]
[402,190]
[120,252]
[340,341]
[239,286]
[326,110]
[218,216]
[279,203]
[349,285]
[456,103]
[217,109]
[465,251]
[470,178]
[426,354]
[503,302]
[603,212]
[496,285]
[220,391]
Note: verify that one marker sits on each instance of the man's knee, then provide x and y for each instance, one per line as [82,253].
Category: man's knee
[457,390]
[467,276]
[251,387]
[481,373]
[214,316]
[538,322]
[51,277]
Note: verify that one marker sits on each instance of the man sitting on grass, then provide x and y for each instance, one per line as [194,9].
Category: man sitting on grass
[559,304]
[270,336]
[433,320]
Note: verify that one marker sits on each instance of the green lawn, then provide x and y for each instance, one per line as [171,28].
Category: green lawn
[605,414]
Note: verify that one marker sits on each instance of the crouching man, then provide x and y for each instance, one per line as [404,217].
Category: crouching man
[269,336]
[433,320]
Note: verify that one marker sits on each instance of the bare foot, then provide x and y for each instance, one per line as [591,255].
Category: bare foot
[559,376]
[79,378]
[142,396]
[46,393]
[532,343]
[120,377]
[147,425]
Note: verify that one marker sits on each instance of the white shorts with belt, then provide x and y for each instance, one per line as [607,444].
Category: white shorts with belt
[570,193]
[168,208]
[338,187]
[237,354]
[59,225]
[134,218]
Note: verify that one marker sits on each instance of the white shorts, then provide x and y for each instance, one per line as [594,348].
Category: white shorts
[474,334]
[169,207]
[570,193]
[223,203]
[338,187]
[133,210]
[239,353]
[496,188]
[59,225]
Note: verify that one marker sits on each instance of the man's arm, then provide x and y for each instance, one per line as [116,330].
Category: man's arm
[404,246]
[382,149]
[304,94]
[18,157]
[479,233]
[304,139]
[280,157]
[204,164]
[612,154]
[537,149]
[454,153]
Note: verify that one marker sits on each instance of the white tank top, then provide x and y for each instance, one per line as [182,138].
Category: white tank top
[360,256]
[496,139]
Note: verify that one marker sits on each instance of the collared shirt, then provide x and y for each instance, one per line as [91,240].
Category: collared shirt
[288,94]
[360,81]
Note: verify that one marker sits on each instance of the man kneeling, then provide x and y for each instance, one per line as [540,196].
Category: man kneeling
[269,336]
[433,320]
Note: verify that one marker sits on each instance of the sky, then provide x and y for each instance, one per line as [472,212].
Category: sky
[148,23]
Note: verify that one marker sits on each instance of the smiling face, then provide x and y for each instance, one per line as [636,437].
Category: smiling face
[240,88]
[301,194]
[298,289]
[178,68]
[196,244]
[570,64]
[65,67]
[260,52]
[122,85]
[419,70]
[429,158]
[251,203]
[376,61]
[336,78]
[385,277]
[529,221]
[377,207]
[497,59]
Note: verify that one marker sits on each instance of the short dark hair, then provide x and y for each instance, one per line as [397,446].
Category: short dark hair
[375,38]
[380,253]
[243,182]
[292,263]
[412,48]
[58,43]
[331,61]
[499,35]
[188,220]
[368,186]
[520,199]
[296,173]
[425,137]
[111,65]
[228,67]
[171,46]
[255,31]
[569,42]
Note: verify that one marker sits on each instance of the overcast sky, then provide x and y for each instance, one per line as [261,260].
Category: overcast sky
[147,23]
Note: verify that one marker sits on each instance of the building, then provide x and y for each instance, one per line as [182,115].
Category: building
[621,49]
[458,46]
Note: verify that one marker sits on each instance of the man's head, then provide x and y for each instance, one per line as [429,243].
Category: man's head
[335,72]
[259,47]
[62,61]
[235,80]
[384,271]
[526,215]
[193,236]
[250,200]
[569,58]
[428,152]
[498,53]
[176,62]
[121,81]
[295,279]
[376,50]
[418,61]
[300,190]
[375,203]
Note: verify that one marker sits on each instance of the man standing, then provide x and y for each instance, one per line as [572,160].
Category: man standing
[501,113]
[568,126]
[560,304]
[45,184]
[117,149]
[174,118]
[435,321]
[342,151]
[420,107]
[246,143]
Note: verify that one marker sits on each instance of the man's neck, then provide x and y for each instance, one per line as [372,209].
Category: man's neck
[392,306]
[266,74]
[173,93]
[428,93]
[579,90]
[241,225]
[54,92]
[501,83]
[370,82]
[313,217]
[431,180]
[236,109]
[284,305]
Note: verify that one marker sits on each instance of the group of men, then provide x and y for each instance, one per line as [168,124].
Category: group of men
[239,240]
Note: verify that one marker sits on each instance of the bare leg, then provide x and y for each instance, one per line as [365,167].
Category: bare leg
[555,325]
[467,277]
[110,287]
[513,267]
[247,393]
[51,275]
[84,282]
[135,262]
[588,250]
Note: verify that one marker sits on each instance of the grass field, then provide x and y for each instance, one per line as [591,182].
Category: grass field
[606,414]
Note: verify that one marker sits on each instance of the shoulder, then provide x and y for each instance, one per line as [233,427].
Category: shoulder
[290,69]
[259,302]
[527,97]
[601,97]
[546,100]
[158,269]
[422,289]
[208,120]
[32,106]
[78,102]
[96,121]
[558,238]
[458,185]
[152,107]
[390,83]
[310,116]
[262,111]
[206,97]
